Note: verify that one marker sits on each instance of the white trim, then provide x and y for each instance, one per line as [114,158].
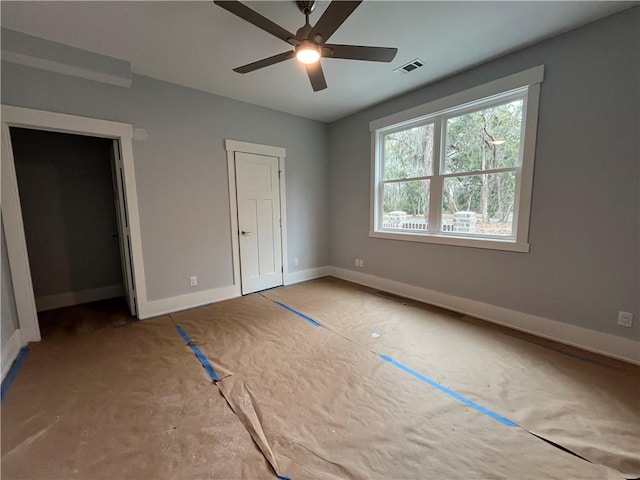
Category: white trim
[524,86]
[62,122]
[233,146]
[517,80]
[283,217]
[374,200]
[255,148]
[66,299]
[506,244]
[10,351]
[12,214]
[233,216]
[304,275]
[16,243]
[590,340]
[135,234]
[65,69]
[155,308]
[524,193]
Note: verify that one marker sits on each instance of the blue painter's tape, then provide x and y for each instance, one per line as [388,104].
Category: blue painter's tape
[283,477]
[13,372]
[449,392]
[301,315]
[183,334]
[204,361]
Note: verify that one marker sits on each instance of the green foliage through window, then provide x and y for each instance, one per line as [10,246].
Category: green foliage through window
[476,171]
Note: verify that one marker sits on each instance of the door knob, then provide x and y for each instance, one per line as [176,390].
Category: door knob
[245,233]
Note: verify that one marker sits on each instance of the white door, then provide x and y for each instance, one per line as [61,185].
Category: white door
[259,229]
[120,196]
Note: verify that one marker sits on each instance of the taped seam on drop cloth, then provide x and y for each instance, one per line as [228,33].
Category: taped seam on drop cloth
[462,399]
[204,361]
[13,372]
[449,392]
[295,312]
[254,426]
[258,436]
[412,372]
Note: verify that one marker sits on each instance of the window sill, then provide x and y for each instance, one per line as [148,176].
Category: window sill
[457,241]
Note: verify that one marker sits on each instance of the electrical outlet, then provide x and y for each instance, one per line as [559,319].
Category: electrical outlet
[625,319]
[357,262]
[296,262]
[361,263]
[193,281]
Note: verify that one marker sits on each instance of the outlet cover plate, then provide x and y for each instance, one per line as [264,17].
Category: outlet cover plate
[625,319]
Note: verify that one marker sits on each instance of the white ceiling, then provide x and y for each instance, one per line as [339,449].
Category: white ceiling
[197,44]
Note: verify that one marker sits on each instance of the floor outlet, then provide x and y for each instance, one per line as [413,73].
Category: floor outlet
[193,281]
[625,319]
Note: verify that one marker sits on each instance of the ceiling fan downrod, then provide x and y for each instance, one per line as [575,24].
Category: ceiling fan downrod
[306,7]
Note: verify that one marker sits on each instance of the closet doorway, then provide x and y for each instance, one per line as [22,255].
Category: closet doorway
[75,224]
[87,217]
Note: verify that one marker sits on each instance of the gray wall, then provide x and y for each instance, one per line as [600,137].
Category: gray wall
[584,261]
[181,169]
[9,319]
[68,210]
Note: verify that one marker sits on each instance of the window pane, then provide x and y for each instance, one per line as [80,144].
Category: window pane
[479,204]
[406,205]
[409,153]
[485,139]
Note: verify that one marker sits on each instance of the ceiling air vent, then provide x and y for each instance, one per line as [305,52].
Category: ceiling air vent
[410,67]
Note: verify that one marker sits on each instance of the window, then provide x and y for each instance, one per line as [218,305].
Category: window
[459,170]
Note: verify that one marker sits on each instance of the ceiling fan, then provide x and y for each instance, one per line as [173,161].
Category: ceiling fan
[310,42]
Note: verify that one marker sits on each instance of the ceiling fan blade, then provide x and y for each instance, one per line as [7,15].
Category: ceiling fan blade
[334,16]
[256,19]
[358,52]
[316,75]
[265,62]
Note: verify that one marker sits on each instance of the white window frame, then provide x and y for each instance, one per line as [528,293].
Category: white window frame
[524,85]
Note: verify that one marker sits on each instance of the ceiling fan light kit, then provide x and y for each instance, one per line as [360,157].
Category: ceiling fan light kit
[309,42]
[308,52]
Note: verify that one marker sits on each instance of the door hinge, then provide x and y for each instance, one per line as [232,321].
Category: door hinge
[279,173]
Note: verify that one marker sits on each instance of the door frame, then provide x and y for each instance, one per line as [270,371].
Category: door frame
[233,146]
[12,214]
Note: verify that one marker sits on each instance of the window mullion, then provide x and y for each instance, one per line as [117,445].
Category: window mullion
[408,179]
[480,172]
[435,193]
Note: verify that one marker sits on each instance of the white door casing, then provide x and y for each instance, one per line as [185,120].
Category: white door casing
[260,238]
[12,214]
[124,232]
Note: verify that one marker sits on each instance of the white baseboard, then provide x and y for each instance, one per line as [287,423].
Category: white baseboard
[10,351]
[155,308]
[590,340]
[49,302]
[303,275]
